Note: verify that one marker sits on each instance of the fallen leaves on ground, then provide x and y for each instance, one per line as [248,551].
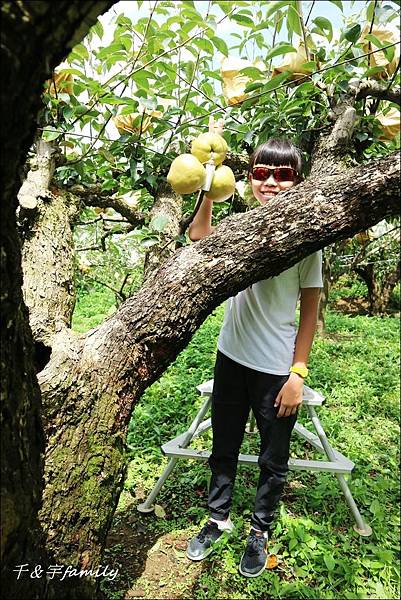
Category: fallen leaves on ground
[272,561]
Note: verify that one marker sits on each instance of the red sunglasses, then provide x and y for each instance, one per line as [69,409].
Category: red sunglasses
[280,174]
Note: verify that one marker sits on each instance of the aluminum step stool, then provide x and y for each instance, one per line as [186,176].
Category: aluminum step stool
[336,463]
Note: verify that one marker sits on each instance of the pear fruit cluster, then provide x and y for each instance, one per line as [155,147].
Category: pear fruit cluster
[188,174]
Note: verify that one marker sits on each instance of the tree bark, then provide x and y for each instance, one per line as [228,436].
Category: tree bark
[91,195]
[92,382]
[168,205]
[36,36]
[48,265]
[46,219]
[330,155]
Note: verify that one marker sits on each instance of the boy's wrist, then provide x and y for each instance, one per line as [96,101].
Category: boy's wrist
[300,369]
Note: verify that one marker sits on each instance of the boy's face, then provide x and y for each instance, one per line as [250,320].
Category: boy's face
[265,189]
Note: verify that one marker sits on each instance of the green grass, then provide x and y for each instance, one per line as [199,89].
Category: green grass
[92,307]
[320,556]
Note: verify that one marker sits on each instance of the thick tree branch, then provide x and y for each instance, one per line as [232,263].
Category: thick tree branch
[331,150]
[94,196]
[370,87]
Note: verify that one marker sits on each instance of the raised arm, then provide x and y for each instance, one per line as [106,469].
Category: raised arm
[202,226]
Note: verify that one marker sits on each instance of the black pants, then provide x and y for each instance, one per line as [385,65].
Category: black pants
[236,390]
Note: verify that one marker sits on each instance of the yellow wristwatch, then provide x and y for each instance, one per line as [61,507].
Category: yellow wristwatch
[302,371]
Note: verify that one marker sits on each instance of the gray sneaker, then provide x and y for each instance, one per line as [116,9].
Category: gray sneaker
[253,561]
[205,541]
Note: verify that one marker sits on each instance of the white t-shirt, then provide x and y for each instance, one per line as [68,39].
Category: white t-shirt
[259,328]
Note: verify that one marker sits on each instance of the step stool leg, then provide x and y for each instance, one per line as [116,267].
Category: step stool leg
[251,426]
[147,506]
[361,527]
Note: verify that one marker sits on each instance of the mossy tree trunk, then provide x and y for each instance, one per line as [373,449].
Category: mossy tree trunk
[36,36]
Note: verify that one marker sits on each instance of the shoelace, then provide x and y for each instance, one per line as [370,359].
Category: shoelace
[208,528]
[256,543]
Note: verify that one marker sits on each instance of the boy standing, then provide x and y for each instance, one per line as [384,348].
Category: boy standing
[261,364]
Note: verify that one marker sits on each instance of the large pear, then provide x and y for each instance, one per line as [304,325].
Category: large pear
[223,184]
[209,146]
[186,174]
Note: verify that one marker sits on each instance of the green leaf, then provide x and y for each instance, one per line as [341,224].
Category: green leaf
[262,25]
[220,45]
[292,543]
[352,34]
[80,109]
[133,167]
[338,3]
[325,25]
[253,86]
[374,40]
[376,507]
[107,155]
[148,242]
[307,87]
[108,184]
[109,51]
[275,6]
[309,66]
[276,81]
[49,134]
[373,71]
[252,72]
[389,53]
[242,20]
[68,112]
[98,29]
[279,50]
[329,562]
[81,50]
[76,72]
[225,6]
[293,21]
[370,10]
[126,41]
[159,222]
[123,20]
[204,44]
[159,511]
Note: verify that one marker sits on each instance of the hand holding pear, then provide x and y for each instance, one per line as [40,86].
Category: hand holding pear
[188,172]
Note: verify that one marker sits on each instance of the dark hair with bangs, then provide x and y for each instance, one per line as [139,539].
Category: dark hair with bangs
[278,152]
